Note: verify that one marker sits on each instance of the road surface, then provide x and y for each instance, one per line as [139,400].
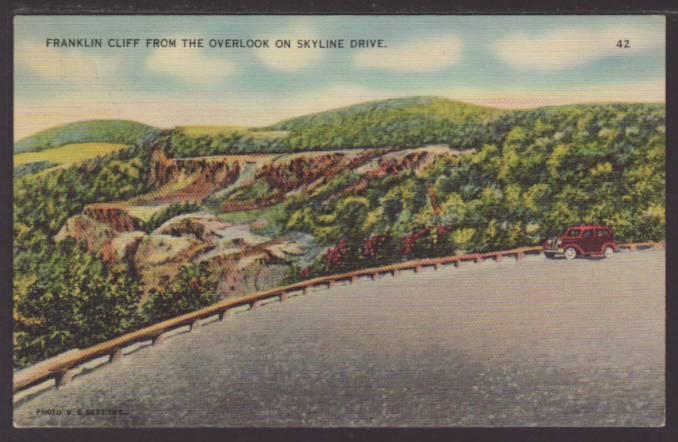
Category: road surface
[537,342]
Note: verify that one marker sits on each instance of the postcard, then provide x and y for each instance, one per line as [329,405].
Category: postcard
[339,221]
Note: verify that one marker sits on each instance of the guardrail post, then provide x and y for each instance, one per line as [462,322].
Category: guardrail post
[353,279]
[435,266]
[63,377]
[416,269]
[195,325]
[498,257]
[520,256]
[330,284]
[478,259]
[632,247]
[116,355]
[305,290]
[283,297]
[223,315]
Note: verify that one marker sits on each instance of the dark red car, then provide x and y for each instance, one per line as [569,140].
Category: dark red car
[584,240]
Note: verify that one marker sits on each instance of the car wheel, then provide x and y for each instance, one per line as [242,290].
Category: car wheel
[570,253]
[609,251]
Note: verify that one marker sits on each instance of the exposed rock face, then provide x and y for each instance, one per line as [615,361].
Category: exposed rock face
[193,180]
[159,249]
[245,261]
[288,175]
[124,246]
[199,226]
[112,215]
[218,171]
[158,258]
[159,165]
[254,273]
[85,228]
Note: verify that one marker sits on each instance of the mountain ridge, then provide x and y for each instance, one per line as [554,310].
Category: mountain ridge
[85,131]
[406,121]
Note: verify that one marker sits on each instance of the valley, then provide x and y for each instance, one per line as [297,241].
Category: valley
[171,220]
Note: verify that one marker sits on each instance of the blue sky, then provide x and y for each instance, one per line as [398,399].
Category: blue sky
[504,61]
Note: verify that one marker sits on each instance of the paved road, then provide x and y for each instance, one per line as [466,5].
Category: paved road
[538,342]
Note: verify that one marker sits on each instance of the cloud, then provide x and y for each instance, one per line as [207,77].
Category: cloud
[431,54]
[189,65]
[568,48]
[292,59]
[67,65]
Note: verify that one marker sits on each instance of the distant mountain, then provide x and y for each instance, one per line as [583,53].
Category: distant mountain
[430,107]
[101,131]
[399,121]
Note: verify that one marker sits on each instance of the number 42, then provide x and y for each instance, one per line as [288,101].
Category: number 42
[625,44]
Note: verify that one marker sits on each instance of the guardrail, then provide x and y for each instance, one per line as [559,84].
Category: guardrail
[60,368]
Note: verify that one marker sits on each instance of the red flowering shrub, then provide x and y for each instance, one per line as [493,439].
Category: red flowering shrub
[377,247]
[410,241]
[335,257]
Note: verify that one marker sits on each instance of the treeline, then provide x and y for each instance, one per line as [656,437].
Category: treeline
[555,167]
[403,122]
[183,145]
[31,168]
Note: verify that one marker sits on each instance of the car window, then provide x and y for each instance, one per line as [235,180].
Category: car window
[574,233]
[588,233]
[602,232]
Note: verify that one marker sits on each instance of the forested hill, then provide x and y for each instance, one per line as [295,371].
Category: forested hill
[93,131]
[545,170]
[392,109]
[400,121]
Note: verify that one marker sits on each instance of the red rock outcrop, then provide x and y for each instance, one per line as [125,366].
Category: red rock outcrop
[112,215]
[219,171]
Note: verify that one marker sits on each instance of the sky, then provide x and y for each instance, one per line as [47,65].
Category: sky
[501,61]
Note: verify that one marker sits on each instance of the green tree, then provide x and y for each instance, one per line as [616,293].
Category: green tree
[193,287]
[73,301]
